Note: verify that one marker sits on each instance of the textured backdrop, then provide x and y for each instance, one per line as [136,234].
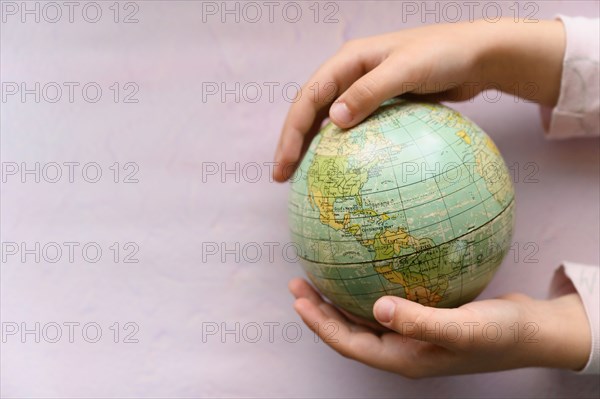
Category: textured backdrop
[166,275]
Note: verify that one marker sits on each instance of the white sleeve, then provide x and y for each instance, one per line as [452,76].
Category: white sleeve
[577,113]
[586,280]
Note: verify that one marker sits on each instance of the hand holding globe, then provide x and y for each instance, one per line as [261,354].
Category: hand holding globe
[373,232]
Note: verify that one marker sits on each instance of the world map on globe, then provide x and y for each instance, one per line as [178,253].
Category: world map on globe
[416,201]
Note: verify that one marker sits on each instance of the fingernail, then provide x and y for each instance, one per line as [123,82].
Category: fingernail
[384,310]
[341,113]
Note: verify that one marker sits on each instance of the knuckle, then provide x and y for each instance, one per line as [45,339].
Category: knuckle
[424,318]
[363,91]
[366,88]
[397,323]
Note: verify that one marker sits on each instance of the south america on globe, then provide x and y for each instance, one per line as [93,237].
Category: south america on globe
[416,201]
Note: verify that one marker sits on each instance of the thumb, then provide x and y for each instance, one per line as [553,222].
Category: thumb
[444,327]
[366,94]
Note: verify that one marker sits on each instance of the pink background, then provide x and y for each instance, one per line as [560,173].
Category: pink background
[171,294]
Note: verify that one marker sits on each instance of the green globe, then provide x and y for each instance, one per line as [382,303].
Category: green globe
[416,202]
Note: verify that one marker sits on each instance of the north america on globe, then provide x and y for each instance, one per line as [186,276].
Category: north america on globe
[416,202]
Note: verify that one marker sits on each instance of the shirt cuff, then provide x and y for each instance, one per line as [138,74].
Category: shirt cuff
[577,112]
[586,281]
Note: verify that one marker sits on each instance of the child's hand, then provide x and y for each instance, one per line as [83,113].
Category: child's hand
[497,334]
[443,62]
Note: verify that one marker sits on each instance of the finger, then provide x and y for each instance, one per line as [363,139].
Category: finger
[346,338]
[445,327]
[308,112]
[285,166]
[301,289]
[366,94]
[391,351]
[364,322]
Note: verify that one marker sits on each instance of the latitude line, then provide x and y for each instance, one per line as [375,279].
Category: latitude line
[437,245]
[486,238]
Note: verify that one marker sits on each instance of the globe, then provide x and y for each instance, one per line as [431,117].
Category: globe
[416,202]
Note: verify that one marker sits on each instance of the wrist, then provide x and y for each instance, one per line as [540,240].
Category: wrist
[523,59]
[568,333]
